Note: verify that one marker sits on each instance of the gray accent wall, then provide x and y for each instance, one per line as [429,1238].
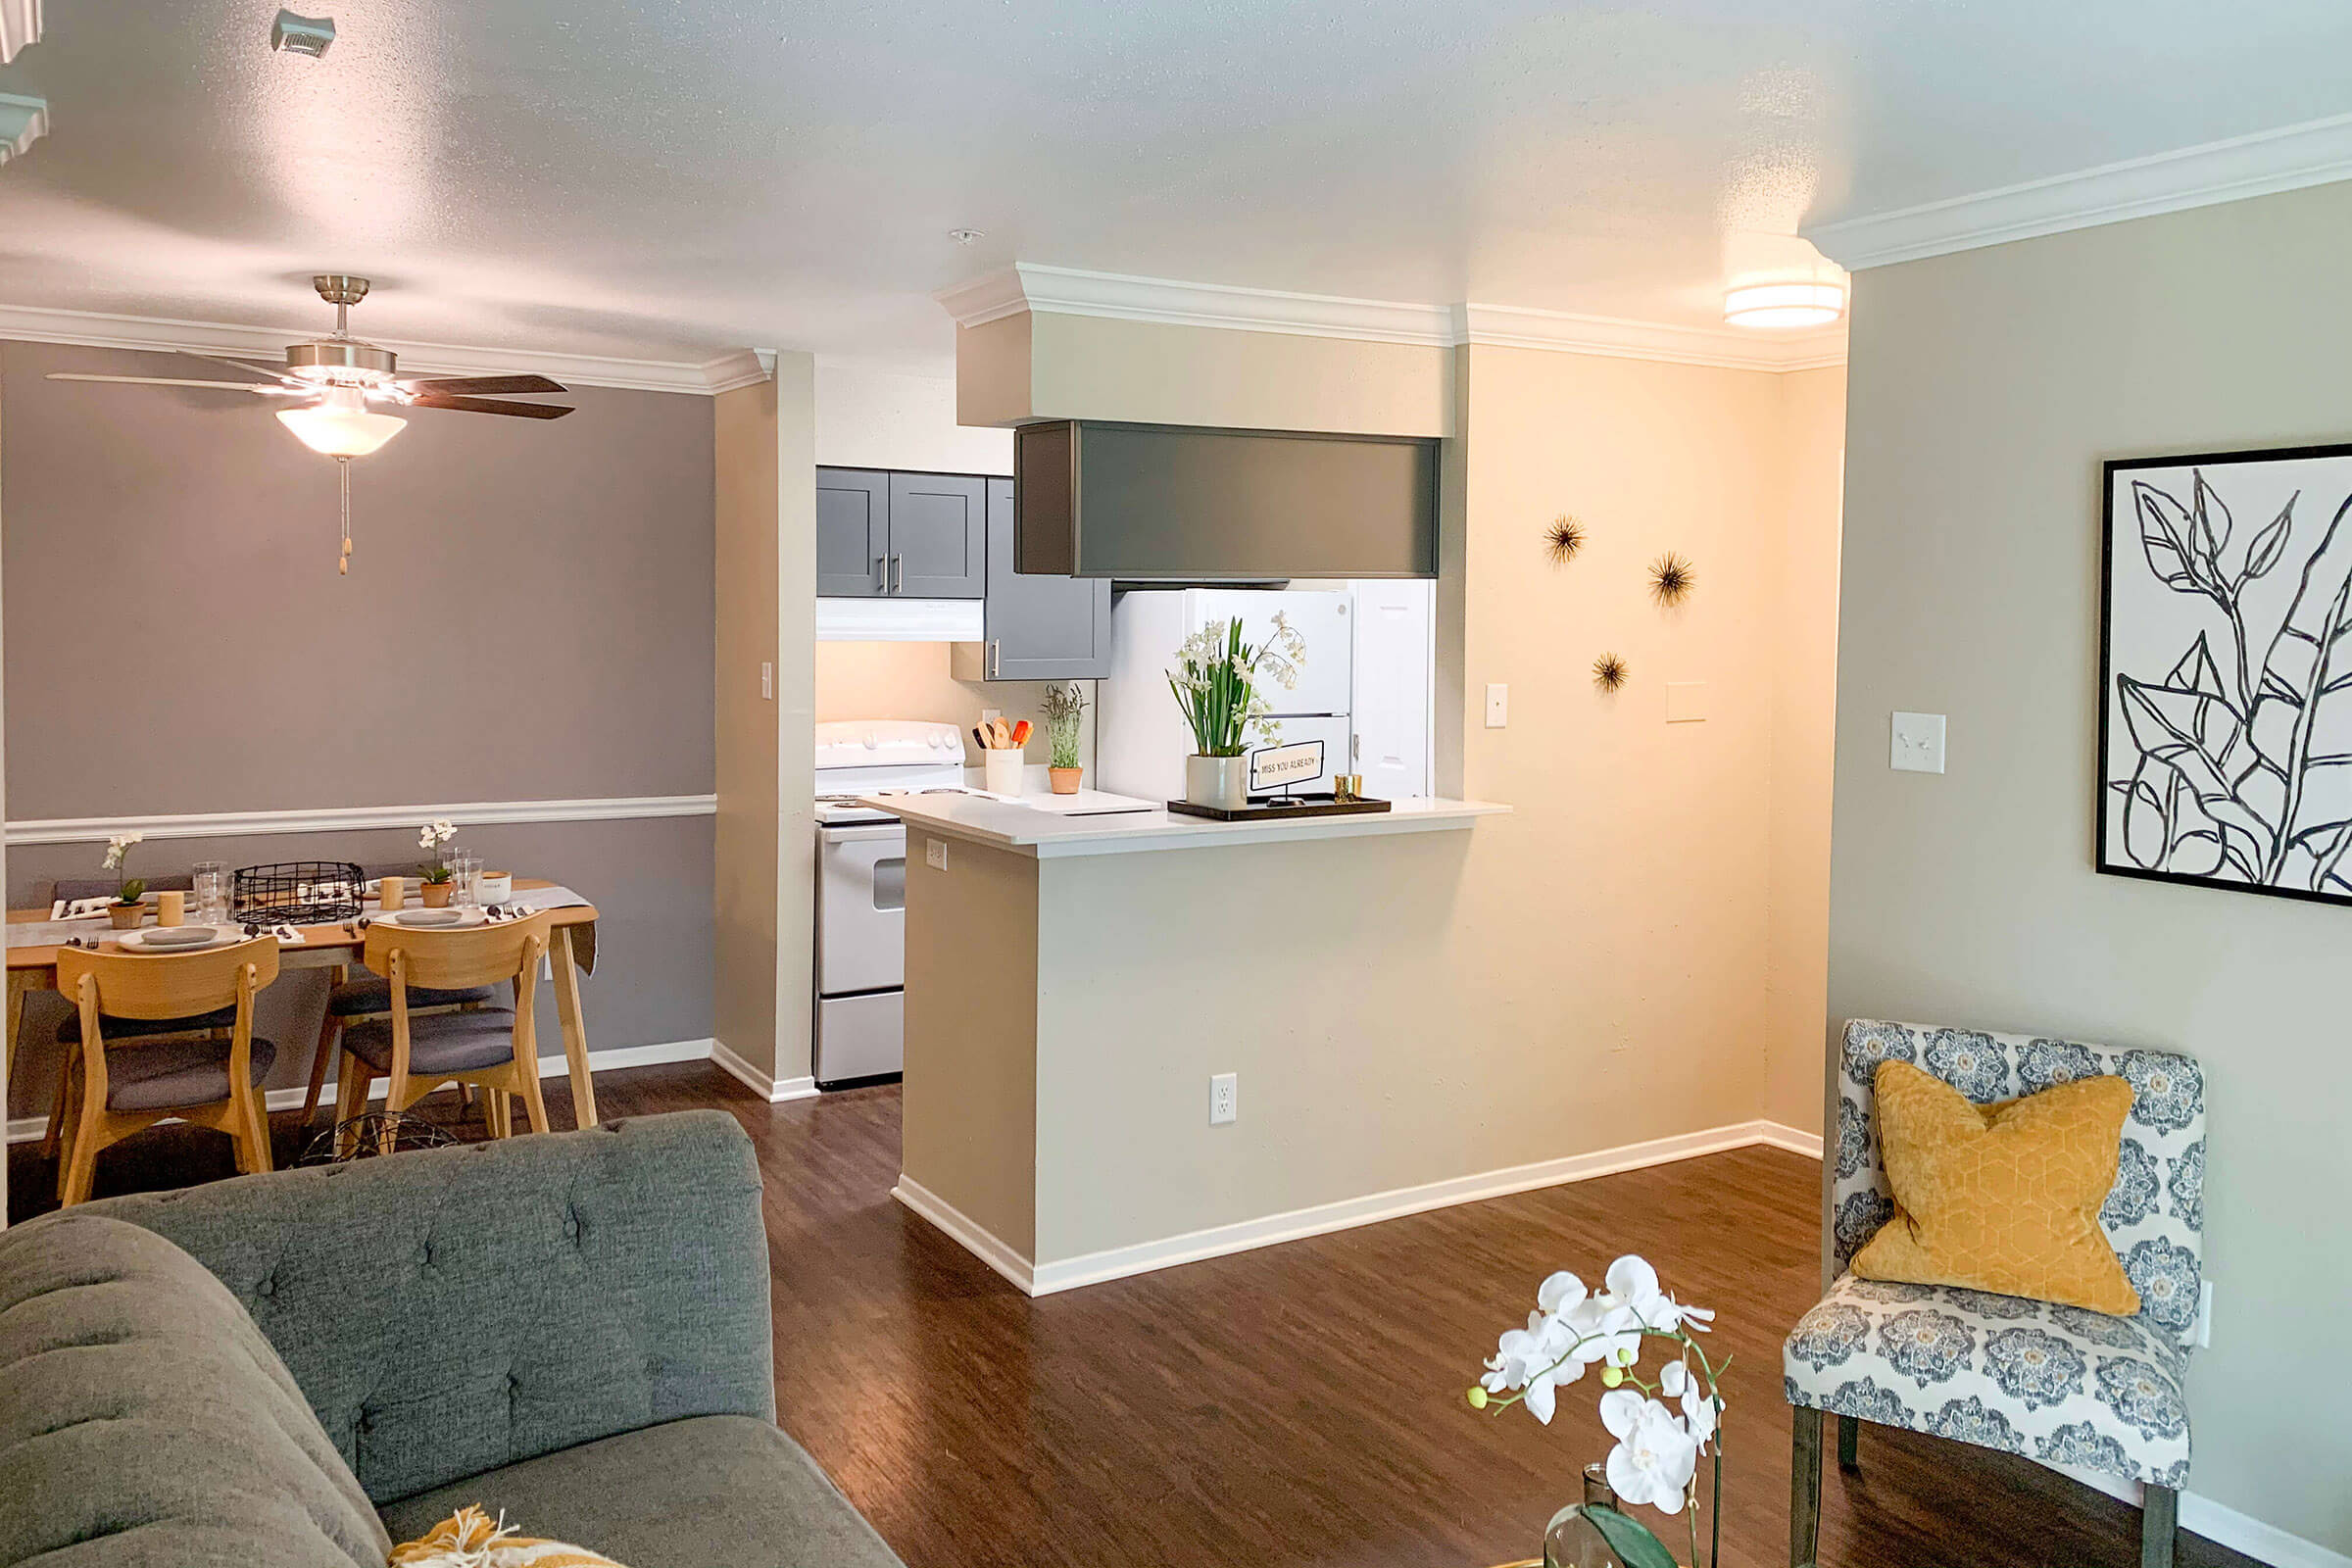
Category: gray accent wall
[1988,387]
[529,616]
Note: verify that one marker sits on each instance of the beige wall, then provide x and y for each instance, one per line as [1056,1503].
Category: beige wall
[882,419]
[766,590]
[914,680]
[1046,366]
[1988,387]
[1627,923]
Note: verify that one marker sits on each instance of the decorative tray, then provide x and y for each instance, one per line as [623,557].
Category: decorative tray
[1267,807]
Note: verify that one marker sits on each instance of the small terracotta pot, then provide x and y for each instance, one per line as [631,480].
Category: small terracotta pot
[126,916]
[1065,779]
[436,894]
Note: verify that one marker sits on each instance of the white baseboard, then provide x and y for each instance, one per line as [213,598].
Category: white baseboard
[26,1129]
[968,1233]
[1093,1269]
[775,1091]
[2223,1525]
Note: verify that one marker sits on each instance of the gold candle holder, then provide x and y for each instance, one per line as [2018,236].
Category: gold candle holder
[1347,788]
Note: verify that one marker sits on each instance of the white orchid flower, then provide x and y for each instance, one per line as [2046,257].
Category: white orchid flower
[1675,1382]
[1654,1457]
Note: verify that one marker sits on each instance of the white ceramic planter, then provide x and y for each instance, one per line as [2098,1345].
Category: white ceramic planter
[1219,781]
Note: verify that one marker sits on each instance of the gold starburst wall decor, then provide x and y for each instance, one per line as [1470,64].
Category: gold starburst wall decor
[1671,578]
[1562,539]
[1608,673]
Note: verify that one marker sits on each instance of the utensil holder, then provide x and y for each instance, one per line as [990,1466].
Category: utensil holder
[1003,771]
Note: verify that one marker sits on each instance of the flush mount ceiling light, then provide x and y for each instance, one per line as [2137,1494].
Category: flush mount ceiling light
[1769,304]
[302,36]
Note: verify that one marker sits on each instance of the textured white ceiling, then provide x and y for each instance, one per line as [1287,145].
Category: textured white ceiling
[667,179]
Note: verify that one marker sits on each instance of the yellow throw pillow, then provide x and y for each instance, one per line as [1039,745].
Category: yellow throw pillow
[2000,1197]
[467,1538]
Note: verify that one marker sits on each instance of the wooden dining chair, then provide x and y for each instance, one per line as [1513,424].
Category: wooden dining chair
[494,1050]
[352,1000]
[127,1078]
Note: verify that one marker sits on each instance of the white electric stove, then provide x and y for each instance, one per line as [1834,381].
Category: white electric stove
[861,888]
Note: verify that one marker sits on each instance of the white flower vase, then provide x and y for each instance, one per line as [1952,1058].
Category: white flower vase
[1219,781]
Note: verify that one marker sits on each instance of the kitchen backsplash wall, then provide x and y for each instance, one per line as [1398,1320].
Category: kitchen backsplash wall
[910,680]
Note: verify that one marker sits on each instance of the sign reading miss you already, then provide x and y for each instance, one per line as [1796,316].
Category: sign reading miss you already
[1282,766]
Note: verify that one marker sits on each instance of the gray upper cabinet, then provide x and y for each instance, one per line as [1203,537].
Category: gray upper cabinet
[911,535]
[1039,627]
[938,535]
[852,532]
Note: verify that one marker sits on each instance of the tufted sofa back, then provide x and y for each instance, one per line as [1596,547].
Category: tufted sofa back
[2155,1214]
[449,1310]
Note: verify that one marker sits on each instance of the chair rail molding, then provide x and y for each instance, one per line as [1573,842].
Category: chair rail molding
[347,819]
[31,324]
[2314,152]
[1071,291]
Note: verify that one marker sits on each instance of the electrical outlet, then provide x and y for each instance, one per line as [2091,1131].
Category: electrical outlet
[987,715]
[1498,705]
[767,681]
[1917,743]
[1224,1098]
[935,854]
[2204,1329]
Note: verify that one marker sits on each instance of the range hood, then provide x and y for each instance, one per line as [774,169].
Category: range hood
[1187,504]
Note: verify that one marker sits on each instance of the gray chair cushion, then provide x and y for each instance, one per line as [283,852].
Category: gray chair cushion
[439,1042]
[698,1493]
[170,1073]
[69,1028]
[356,999]
[449,1310]
[146,1423]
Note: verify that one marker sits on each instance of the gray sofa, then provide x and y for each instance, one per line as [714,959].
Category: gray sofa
[305,1367]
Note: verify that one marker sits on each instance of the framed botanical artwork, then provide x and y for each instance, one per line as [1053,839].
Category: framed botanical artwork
[2225,672]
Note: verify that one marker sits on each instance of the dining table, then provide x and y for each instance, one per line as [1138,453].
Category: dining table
[570,949]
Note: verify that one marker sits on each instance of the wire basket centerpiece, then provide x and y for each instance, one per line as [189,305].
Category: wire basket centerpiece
[297,892]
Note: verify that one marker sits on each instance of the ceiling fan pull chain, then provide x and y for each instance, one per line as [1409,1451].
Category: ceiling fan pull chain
[343,561]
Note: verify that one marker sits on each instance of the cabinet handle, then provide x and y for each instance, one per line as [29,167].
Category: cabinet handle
[898,565]
[882,574]
[995,658]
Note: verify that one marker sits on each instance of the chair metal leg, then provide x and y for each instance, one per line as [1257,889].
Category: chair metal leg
[1849,1442]
[1804,1489]
[2159,1519]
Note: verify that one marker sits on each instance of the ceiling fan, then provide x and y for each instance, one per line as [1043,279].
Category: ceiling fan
[342,375]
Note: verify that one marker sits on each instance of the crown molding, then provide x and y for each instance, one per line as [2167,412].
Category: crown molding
[22,122]
[20,28]
[155,335]
[2317,152]
[1064,291]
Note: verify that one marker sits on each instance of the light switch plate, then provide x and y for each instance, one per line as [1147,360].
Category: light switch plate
[767,680]
[1498,705]
[1917,744]
[1685,702]
[935,854]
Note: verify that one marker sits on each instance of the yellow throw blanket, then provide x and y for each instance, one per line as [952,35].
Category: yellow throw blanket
[467,1538]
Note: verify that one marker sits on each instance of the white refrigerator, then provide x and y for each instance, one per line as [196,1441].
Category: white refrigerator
[1141,740]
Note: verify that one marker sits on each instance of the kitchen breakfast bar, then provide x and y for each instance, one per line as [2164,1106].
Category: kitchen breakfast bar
[1075,983]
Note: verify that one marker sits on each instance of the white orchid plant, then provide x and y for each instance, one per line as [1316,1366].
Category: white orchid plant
[433,838]
[1660,1443]
[118,851]
[1216,681]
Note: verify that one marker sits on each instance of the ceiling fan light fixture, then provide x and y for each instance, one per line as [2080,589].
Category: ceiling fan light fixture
[341,427]
[1782,305]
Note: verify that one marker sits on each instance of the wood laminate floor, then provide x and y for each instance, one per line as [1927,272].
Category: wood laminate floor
[1300,1404]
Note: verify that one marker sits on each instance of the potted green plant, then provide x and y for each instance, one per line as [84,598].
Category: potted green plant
[437,879]
[1065,716]
[130,907]
[1216,682]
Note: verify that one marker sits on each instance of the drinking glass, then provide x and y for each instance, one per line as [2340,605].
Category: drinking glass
[209,880]
[467,868]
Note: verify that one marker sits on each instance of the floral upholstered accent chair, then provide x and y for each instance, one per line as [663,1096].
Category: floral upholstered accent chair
[2057,1384]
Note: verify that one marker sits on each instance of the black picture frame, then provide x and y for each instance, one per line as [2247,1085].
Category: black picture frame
[2161,557]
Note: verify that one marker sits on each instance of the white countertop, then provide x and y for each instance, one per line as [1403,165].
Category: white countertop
[1045,835]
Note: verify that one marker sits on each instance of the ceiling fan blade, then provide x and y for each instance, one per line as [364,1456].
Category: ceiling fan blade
[522,411]
[167,381]
[275,373]
[465,385]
